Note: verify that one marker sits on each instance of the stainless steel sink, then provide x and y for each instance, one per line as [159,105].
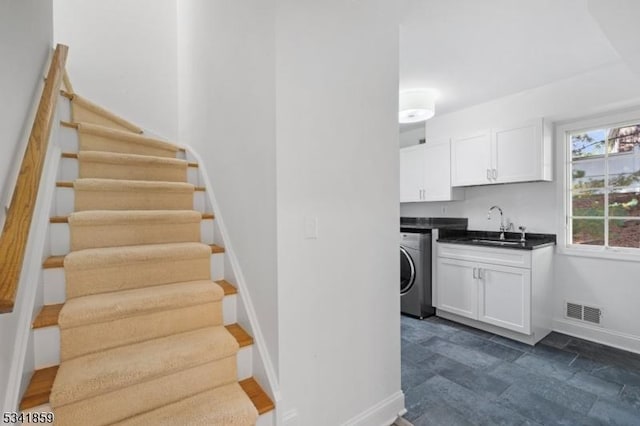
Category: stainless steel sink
[497,242]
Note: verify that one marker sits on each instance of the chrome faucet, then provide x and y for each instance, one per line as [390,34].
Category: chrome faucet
[503,227]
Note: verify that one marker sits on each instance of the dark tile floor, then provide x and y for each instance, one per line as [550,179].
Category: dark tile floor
[457,375]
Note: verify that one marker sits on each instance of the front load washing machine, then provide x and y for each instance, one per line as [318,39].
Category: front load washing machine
[415,274]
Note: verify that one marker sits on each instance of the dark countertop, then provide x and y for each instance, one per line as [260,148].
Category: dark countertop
[426,224]
[533,241]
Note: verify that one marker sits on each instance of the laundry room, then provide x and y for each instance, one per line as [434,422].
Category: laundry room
[519,228]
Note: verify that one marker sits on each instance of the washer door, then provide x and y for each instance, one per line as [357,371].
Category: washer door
[407,272]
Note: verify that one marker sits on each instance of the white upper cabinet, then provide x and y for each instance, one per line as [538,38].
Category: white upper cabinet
[425,173]
[471,159]
[411,173]
[517,153]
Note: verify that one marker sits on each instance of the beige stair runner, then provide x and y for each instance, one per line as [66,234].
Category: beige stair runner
[142,339]
[114,228]
[115,194]
[93,137]
[111,165]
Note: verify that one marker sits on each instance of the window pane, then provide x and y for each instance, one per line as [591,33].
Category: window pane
[588,144]
[587,203]
[624,170]
[587,174]
[624,139]
[624,202]
[588,231]
[624,233]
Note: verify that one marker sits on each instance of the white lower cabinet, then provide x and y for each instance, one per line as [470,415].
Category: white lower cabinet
[504,297]
[482,284]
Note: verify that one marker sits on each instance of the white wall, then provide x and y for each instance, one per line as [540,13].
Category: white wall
[227,114]
[337,139]
[411,135]
[609,284]
[26,31]
[123,56]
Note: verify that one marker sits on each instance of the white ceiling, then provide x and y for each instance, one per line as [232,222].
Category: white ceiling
[472,51]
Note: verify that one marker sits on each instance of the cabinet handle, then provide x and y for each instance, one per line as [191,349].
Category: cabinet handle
[474,273]
[488,174]
[495,173]
[480,274]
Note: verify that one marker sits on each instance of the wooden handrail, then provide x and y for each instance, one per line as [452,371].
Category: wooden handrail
[13,240]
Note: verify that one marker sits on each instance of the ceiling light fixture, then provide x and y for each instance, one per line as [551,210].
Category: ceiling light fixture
[416,105]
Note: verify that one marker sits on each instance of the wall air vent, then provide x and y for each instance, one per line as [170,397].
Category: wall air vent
[574,311]
[583,313]
[591,314]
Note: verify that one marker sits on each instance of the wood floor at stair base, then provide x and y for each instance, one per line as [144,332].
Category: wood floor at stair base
[78,341]
[116,406]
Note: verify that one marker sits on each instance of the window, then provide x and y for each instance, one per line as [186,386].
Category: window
[604,178]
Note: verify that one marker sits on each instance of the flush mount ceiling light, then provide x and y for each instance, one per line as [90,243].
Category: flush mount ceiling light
[416,105]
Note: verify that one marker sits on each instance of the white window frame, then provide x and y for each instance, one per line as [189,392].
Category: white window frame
[563,169]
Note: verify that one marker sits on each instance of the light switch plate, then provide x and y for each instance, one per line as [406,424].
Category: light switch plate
[311,227]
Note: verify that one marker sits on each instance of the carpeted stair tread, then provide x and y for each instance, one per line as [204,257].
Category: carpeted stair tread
[116,256]
[65,219]
[84,110]
[93,137]
[103,270]
[114,228]
[120,194]
[122,185]
[112,165]
[58,261]
[226,405]
[117,217]
[104,307]
[114,369]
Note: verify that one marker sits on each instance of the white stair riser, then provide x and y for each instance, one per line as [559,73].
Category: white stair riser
[68,169]
[244,361]
[65,199]
[64,108]
[54,286]
[266,419]
[60,238]
[206,231]
[217,266]
[68,139]
[229,306]
[46,344]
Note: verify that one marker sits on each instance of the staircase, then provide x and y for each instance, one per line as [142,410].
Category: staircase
[139,325]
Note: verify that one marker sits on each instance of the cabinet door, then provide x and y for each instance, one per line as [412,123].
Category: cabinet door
[437,172]
[471,160]
[457,288]
[411,173]
[518,152]
[505,297]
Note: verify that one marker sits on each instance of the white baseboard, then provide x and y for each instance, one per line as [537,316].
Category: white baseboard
[383,413]
[616,339]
